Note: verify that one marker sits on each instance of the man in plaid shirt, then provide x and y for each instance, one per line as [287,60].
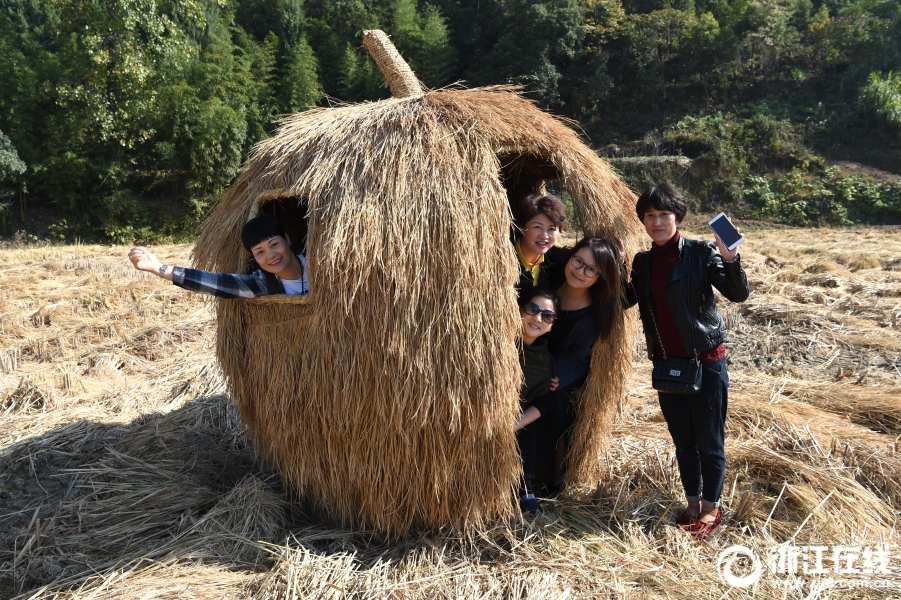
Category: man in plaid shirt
[281,271]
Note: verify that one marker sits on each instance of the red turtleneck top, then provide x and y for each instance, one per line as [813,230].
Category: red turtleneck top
[662,260]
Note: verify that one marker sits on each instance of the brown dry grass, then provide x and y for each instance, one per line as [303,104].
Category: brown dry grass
[125,473]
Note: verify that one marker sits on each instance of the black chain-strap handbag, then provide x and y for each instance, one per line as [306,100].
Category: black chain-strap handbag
[674,374]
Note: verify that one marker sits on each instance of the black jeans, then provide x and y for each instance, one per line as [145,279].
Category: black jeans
[697,424]
[557,417]
[528,441]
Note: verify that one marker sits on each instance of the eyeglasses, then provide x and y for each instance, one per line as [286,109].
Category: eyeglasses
[589,271]
[548,316]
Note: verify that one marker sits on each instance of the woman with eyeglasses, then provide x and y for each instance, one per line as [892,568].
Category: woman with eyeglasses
[587,282]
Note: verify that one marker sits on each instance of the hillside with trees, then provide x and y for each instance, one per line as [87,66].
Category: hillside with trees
[121,120]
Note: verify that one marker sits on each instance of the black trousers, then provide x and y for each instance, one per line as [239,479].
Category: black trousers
[697,424]
[527,437]
[555,423]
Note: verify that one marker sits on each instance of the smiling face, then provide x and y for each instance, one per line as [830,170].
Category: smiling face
[575,275]
[533,326]
[274,255]
[660,224]
[538,236]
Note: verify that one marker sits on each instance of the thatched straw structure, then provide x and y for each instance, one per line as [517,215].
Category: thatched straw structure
[386,396]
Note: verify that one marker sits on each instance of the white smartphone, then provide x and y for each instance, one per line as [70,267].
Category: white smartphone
[724,228]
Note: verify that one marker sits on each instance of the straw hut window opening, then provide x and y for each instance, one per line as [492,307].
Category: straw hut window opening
[292,209]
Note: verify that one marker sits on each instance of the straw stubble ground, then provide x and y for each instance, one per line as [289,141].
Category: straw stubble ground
[124,472]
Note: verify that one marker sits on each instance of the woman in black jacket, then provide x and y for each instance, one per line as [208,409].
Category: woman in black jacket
[539,220]
[587,281]
[673,286]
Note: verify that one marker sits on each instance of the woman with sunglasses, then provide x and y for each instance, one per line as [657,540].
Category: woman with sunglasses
[588,284]
[538,312]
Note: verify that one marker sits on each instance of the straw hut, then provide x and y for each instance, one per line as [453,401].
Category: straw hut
[386,397]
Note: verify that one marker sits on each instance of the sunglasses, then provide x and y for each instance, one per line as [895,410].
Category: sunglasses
[548,316]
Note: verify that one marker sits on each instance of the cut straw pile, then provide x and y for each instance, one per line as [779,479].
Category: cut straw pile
[125,473]
[386,396]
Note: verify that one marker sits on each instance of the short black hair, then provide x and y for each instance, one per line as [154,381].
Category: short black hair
[262,228]
[542,292]
[662,196]
[537,204]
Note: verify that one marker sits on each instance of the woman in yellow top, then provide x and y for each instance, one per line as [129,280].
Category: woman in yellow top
[539,219]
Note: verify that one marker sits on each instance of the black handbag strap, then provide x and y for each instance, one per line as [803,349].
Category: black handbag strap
[657,331]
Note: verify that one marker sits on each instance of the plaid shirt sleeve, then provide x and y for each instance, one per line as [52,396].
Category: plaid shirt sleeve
[223,285]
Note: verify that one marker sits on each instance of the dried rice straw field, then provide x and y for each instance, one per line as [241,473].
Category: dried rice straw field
[125,473]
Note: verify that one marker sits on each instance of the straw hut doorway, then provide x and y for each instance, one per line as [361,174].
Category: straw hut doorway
[386,397]
[523,174]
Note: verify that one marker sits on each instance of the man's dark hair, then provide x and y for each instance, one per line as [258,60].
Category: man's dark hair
[541,292]
[259,229]
[663,196]
[536,204]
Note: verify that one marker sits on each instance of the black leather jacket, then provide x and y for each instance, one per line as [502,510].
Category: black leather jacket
[689,293]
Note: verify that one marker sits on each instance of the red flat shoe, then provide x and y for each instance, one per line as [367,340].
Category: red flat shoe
[701,530]
[687,520]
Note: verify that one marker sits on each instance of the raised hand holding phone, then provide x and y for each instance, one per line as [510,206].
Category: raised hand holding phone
[728,237]
[728,255]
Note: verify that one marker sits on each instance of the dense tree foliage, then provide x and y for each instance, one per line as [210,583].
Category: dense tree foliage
[883,97]
[123,119]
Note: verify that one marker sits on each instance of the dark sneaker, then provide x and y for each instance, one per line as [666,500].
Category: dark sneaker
[531,507]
